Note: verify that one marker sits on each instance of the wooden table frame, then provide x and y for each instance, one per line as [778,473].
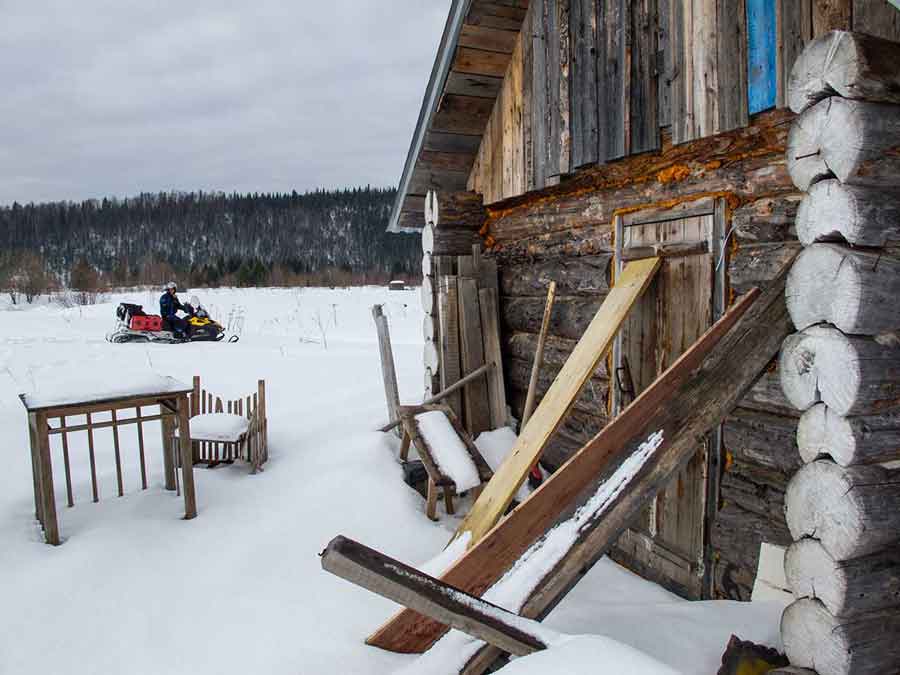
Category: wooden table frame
[174,409]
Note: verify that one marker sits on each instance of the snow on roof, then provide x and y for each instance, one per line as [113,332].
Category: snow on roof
[53,387]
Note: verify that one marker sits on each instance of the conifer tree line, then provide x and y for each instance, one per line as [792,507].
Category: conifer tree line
[205,239]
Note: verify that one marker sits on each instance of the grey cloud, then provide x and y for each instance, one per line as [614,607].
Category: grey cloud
[113,98]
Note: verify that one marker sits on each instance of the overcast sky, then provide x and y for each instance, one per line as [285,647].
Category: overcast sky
[116,97]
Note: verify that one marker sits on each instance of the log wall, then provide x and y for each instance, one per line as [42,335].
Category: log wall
[842,370]
[591,82]
[565,234]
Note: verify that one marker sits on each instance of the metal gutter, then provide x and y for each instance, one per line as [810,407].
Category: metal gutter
[439,72]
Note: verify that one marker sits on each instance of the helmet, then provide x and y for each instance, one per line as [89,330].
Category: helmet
[171,284]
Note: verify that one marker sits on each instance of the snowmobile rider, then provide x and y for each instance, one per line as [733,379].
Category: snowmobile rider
[169,304]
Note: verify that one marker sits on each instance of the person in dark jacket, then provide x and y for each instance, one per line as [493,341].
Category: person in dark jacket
[169,304]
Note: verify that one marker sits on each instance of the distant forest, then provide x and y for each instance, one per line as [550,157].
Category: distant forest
[207,239]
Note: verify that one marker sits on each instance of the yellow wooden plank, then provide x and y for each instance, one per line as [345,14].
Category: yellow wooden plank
[591,348]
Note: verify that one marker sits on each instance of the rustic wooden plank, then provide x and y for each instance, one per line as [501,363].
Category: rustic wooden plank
[592,347]
[463,114]
[612,73]
[552,36]
[490,315]
[487,38]
[187,462]
[664,62]
[475,396]
[45,473]
[528,39]
[793,18]
[464,84]
[585,105]
[680,71]
[446,142]
[448,308]
[388,372]
[564,96]
[485,563]
[732,64]
[424,179]
[831,15]
[539,95]
[762,70]
[643,134]
[408,586]
[705,69]
[480,62]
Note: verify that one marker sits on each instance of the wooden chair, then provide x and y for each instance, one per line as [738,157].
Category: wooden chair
[437,475]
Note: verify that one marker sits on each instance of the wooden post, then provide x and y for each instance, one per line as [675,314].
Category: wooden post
[539,354]
[48,501]
[70,498]
[36,468]
[262,422]
[167,431]
[90,436]
[388,372]
[392,579]
[142,455]
[187,465]
[196,397]
[115,432]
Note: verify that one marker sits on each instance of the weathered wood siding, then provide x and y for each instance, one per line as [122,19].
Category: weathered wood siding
[565,233]
[591,81]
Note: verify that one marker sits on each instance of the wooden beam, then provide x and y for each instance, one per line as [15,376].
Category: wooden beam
[396,581]
[487,38]
[462,114]
[464,84]
[388,372]
[438,141]
[488,560]
[480,62]
[592,347]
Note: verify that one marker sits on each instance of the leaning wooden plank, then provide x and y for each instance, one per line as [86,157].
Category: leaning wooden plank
[487,561]
[592,347]
[448,311]
[389,374]
[396,581]
[539,354]
[475,395]
[490,323]
[689,412]
[851,65]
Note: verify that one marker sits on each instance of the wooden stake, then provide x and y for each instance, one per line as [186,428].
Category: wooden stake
[539,355]
[187,466]
[45,468]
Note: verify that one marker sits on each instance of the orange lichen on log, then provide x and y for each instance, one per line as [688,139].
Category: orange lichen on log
[673,173]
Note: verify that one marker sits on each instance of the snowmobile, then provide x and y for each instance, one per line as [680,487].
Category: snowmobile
[134,325]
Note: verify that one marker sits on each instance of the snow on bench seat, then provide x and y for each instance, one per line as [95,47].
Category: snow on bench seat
[219,427]
[448,450]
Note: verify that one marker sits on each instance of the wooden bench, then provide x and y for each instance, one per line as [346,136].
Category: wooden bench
[223,431]
[442,461]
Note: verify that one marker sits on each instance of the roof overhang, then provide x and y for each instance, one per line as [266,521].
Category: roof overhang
[475,50]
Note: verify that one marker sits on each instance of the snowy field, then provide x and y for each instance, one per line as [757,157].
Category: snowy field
[134,589]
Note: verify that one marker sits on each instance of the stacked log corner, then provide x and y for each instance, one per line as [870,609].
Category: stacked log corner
[842,368]
[460,299]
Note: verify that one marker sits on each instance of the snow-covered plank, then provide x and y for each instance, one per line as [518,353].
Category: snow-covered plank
[55,389]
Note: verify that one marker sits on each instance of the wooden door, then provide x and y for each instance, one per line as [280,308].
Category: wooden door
[667,544]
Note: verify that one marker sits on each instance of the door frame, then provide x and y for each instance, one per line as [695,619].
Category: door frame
[716,207]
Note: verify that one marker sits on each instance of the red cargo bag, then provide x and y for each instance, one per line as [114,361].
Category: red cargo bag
[146,322]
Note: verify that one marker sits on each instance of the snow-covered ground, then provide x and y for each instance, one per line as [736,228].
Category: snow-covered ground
[134,589]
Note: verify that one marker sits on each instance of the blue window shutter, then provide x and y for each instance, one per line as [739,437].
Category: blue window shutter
[761,76]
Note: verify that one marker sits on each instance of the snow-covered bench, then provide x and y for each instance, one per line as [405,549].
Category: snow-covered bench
[448,454]
[223,431]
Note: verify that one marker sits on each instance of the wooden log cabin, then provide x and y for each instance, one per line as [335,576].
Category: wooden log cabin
[573,135]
